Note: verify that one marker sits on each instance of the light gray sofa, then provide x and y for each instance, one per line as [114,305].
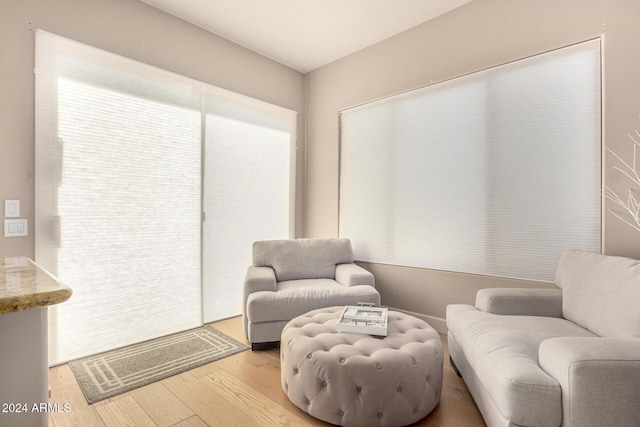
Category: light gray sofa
[551,357]
[291,277]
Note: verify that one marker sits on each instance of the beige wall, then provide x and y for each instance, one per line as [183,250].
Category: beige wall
[133,29]
[479,35]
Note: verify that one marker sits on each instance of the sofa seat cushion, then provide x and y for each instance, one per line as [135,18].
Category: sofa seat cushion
[296,297]
[503,353]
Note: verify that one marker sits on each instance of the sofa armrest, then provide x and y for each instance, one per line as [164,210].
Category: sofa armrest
[600,378]
[353,275]
[259,279]
[520,301]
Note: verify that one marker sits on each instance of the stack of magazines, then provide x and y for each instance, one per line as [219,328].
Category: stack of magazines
[363,320]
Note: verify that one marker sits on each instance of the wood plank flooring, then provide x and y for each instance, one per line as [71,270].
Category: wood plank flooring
[240,390]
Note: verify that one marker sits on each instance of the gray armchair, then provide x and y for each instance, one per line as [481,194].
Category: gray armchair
[291,277]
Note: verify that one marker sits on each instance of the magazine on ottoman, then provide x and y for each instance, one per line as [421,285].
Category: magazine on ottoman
[363,320]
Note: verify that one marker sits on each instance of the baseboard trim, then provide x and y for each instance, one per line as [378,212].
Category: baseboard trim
[437,323]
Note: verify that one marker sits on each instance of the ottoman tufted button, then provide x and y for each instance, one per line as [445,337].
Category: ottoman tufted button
[414,361]
[359,389]
[309,356]
[295,371]
[400,389]
[379,414]
[342,360]
[379,366]
[341,413]
[414,411]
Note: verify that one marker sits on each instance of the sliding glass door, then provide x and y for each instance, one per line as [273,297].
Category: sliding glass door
[122,187]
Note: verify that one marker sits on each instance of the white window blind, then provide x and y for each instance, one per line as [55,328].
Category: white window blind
[248,191]
[119,195]
[494,173]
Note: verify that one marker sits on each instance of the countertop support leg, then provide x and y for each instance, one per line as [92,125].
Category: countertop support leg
[24,373]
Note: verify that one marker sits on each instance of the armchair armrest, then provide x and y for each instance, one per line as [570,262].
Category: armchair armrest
[353,275]
[599,377]
[259,279]
[520,301]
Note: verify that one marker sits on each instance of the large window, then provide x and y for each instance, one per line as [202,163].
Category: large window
[494,173]
[129,160]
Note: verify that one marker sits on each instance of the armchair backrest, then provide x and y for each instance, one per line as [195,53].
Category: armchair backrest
[302,258]
[600,293]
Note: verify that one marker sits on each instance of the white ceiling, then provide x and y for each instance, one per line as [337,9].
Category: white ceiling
[306,34]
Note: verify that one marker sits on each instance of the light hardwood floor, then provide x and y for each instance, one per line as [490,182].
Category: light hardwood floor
[240,390]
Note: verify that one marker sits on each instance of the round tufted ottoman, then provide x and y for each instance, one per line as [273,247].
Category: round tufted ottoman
[357,379]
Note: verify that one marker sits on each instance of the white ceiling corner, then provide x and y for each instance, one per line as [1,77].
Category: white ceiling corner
[306,34]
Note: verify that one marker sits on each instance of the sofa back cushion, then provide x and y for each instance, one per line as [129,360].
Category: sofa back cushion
[600,293]
[303,258]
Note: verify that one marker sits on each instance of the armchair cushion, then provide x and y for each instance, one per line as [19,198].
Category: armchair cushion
[302,258]
[297,297]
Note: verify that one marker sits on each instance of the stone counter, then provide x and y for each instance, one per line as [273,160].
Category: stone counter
[25,285]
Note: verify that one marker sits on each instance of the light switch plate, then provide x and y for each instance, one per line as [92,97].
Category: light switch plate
[16,227]
[12,208]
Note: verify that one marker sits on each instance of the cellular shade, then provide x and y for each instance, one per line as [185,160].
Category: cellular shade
[248,191]
[494,173]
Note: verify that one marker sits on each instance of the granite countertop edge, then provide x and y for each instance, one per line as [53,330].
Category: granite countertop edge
[26,285]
